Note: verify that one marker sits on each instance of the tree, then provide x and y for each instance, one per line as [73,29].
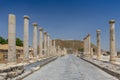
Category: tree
[81,49]
[19,42]
[2,40]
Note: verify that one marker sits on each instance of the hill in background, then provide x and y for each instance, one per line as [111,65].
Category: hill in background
[73,44]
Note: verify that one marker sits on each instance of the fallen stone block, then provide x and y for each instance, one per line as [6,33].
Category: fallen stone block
[3,75]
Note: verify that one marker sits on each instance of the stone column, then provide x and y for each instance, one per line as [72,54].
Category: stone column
[65,51]
[51,47]
[89,44]
[113,52]
[11,38]
[48,45]
[54,45]
[45,43]
[26,37]
[35,40]
[98,44]
[40,42]
[84,40]
[91,52]
[59,51]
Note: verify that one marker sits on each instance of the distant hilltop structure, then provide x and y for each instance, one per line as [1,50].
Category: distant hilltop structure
[73,44]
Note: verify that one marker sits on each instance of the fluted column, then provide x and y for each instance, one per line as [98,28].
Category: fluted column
[26,37]
[40,41]
[113,52]
[98,44]
[35,39]
[11,38]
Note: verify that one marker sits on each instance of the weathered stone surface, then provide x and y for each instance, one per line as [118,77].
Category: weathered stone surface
[26,37]
[3,75]
[35,39]
[12,38]
[70,67]
[40,42]
[98,44]
[11,71]
[112,69]
[45,43]
[113,52]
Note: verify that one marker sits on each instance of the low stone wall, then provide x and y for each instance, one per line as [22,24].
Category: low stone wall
[110,68]
[25,74]
[17,72]
[11,72]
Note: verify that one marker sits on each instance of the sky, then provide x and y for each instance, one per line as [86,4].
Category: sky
[64,19]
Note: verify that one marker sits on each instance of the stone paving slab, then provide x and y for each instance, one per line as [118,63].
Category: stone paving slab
[108,67]
[70,67]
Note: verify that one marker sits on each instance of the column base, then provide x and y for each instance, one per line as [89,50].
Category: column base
[35,59]
[98,57]
[25,60]
[112,59]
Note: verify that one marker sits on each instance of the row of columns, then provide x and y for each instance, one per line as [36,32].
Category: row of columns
[47,46]
[113,52]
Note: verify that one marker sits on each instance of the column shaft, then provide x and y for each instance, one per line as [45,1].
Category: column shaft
[26,37]
[35,40]
[45,43]
[113,52]
[98,44]
[40,42]
[12,38]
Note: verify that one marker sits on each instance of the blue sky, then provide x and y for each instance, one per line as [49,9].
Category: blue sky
[64,19]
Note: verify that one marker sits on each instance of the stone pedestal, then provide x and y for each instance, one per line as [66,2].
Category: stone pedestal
[11,38]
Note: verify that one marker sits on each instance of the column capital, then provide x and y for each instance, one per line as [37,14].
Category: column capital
[45,32]
[40,29]
[88,35]
[26,17]
[112,21]
[84,38]
[48,34]
[35,24]
[98,30]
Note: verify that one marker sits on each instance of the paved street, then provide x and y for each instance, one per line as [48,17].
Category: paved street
[69,67]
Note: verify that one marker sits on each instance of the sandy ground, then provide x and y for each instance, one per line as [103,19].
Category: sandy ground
[69,67]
